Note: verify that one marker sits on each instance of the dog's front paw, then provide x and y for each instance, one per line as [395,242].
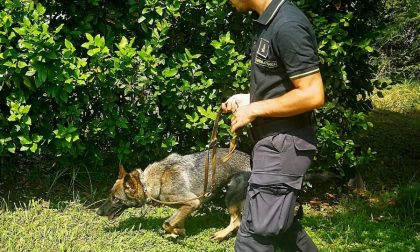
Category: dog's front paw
[171,236]
[172,232]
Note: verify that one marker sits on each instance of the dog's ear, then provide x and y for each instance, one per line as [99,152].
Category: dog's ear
[130,182]
[122,172]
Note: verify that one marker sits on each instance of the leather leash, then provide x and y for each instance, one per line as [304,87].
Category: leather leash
[212,145]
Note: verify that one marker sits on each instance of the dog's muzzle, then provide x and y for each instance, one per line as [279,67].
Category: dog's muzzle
[112,211]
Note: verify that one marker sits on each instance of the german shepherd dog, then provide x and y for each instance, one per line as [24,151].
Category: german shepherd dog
[180,179]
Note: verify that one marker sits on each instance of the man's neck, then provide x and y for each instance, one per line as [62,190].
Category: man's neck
[260,5]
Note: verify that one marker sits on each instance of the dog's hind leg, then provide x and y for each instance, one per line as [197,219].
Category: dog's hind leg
[235,196]
[235,221]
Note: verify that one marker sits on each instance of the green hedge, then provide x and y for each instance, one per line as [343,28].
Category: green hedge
[88,81]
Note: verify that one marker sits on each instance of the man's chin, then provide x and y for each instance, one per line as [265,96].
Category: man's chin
[238,9]
[241,10]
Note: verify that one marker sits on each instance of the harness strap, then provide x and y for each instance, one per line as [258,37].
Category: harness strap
[173,202]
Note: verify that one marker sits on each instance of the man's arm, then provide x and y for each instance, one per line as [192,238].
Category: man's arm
[307,95]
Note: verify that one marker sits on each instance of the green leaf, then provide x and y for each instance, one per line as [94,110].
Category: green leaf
[170,72]
[24,148]
[82,62]
[141,19]
[24,140]
[216,44]
[42,75]
[338,156]
[28,121]
[26,21]
[123,43]
[12,35]
[159,11]
[44,28]
[31,72]
[86,45]
[51,55]
[93,51]
[40,9]
[10,64]
[27,82]
[99,42]
[68,139]
[89,37]
[11,149]
[202,111]
[12,118]
[71,129]
[22,64]
[69,45]
[58,29]
[25,109]
[37,138]
[34,147]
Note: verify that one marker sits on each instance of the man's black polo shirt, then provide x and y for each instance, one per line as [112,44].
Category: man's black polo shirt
[284,48]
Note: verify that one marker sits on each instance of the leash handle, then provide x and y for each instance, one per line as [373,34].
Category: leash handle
[232,147]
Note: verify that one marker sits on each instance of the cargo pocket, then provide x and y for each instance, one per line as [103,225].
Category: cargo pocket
[279,142]
[270,211]
[305,141]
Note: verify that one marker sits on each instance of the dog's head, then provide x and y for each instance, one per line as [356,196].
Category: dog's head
[127,192]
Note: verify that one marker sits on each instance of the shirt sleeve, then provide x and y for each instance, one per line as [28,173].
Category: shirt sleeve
[297,48]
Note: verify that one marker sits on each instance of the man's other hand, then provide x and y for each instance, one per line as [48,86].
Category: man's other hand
[234,102]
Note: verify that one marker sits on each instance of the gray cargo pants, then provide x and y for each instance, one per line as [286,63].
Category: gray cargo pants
[278,165]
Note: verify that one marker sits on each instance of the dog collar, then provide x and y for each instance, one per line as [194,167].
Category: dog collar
[142,181]
[141,176]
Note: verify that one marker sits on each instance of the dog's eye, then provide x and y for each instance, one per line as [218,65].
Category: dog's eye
[115,199]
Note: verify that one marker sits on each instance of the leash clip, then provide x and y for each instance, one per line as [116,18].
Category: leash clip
[207,194]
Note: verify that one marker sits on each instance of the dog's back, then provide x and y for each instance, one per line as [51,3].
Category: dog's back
[186,174]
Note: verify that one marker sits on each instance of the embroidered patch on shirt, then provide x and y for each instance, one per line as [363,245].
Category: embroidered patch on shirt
[266,63]
[263,48]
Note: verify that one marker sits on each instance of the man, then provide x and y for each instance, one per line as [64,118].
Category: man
[286,87]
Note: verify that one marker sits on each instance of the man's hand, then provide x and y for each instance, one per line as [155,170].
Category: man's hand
[238,105]
[234,102]
[241,117]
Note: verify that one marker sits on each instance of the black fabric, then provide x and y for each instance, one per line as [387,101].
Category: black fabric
[283,46]
[271,126]
[283,158]
[270,210]
[283,230]
[296,45]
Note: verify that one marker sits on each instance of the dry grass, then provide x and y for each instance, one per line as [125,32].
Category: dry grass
[401,98]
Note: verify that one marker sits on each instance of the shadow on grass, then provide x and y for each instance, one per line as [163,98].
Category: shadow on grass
[201,221]
[361,225]
[395,138]
[142,222]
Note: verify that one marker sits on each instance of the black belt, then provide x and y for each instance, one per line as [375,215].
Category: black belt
[263,127]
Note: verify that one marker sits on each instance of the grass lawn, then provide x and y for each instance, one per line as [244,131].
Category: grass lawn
[385,217]
[353,225]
